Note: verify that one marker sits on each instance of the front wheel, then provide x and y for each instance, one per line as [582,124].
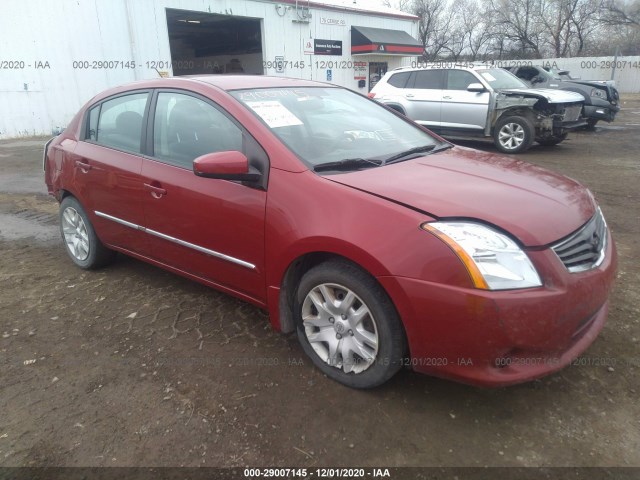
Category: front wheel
[513,134]
[348,326]
[80,239]
[554,140]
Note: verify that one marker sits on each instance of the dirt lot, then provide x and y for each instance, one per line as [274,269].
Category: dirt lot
[133,366]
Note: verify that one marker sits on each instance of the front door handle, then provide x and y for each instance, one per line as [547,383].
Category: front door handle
[156,192]
[447,97]
[409,95]
[84,166]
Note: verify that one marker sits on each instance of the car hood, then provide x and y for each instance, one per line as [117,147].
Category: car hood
[548,94]
[535,205]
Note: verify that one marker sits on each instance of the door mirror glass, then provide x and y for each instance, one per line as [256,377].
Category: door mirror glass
[229,165]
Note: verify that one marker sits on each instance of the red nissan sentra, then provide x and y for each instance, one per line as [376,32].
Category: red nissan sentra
[379,243]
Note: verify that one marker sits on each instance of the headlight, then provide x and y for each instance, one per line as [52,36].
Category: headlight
[494,261]
[596,92]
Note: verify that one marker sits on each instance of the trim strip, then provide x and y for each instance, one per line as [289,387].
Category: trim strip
[193,246]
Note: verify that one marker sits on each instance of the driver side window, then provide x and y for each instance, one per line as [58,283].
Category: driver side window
[186,127]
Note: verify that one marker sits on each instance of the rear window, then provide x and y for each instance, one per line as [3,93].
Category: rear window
[399,80]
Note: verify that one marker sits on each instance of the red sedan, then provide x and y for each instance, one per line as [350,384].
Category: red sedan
[380,244]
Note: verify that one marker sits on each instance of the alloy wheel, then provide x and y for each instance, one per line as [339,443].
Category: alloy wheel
[75,234]
[511,135]
[340,327]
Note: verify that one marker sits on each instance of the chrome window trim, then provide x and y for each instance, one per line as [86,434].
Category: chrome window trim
[178,241]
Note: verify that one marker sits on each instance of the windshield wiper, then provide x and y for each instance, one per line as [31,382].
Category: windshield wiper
[347,164]
[413,151]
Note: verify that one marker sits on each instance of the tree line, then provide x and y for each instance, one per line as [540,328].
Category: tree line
[524,29]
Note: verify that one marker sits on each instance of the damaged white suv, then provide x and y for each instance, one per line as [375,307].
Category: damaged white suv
[460,101]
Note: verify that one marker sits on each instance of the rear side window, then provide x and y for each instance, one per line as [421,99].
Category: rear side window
[186,127]
[428,79]
[399,80]
[460,80]
[120,122]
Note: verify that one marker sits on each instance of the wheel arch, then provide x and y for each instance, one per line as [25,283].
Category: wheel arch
[396,107]
[294,273]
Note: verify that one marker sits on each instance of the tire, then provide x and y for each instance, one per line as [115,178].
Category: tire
[513,134]
[551,141]
[80,240]
[360,344]
[591,123]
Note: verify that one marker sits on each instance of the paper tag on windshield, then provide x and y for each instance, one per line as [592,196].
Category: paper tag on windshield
[274,113]
[488,77]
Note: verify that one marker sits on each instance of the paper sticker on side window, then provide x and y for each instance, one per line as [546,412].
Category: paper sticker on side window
[274,113]
[488,77]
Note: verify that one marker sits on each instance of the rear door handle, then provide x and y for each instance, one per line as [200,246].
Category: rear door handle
[409,95]
[156,192]
[84,166]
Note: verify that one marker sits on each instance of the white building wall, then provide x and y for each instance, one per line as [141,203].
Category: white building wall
[40,90]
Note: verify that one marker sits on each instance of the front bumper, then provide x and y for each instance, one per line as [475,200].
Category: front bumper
[498,338]
[598,112]
[560,128]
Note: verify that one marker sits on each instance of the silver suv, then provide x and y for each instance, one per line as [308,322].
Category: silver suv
[481,102]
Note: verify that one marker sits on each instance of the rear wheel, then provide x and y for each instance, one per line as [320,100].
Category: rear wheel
[80,240]
[348,326]
[513,134]
[554,140]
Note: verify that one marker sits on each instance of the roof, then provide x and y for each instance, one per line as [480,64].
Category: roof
[238,82]
[352,6]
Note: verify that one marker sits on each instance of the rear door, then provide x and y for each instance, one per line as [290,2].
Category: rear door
[209,228]
[107,163]
[463,110]
[423,96]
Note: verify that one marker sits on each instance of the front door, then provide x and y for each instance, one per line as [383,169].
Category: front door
[213,229]
[463,110]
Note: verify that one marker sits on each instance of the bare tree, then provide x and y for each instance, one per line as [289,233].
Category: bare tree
[478,28]
[620,12]
[519,22]
[586,24]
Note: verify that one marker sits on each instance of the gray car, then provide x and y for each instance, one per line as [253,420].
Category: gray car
[601,99]
[481,102]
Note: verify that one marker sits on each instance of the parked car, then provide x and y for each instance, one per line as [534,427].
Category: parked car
[380,244]
[601,99]
[481,102]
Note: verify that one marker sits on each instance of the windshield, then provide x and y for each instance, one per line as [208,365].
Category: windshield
[501,79]
[323,125]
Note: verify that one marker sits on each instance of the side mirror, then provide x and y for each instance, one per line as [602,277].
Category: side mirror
[229,165]
[476,87]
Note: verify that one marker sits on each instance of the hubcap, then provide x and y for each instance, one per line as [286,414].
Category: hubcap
[511,136]
[340,327]
[75,234]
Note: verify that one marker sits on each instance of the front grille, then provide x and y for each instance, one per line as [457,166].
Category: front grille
[584,249]
[572,113]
